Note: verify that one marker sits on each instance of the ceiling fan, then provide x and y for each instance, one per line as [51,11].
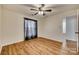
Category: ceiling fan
[40,10]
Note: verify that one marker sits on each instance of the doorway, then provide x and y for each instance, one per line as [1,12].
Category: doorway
[71,38]
[69,30]
[30,28]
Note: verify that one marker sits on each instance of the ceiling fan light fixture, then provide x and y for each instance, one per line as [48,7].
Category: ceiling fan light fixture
[40,12]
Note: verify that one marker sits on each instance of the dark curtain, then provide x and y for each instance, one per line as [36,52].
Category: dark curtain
[30,29]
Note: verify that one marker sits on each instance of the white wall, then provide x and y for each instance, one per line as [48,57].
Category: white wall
[0,27]
[51,27]
[0,23]
[12,26]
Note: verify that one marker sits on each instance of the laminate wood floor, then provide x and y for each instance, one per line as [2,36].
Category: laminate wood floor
[38,46]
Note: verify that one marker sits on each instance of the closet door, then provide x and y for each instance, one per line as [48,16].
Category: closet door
[30,28]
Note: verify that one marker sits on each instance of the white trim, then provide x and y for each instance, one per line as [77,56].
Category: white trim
[77,30]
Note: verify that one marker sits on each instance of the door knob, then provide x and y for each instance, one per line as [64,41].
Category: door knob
[76,32]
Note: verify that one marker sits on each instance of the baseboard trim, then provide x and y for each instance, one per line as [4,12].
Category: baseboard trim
[12,43]
[50,40]
[0,49]
[38,37]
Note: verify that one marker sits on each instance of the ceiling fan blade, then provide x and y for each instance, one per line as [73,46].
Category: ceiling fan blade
[36,13]
[34,9]
[48,10]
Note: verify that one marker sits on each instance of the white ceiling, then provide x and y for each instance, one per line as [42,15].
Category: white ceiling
[39,5]
[56,8]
